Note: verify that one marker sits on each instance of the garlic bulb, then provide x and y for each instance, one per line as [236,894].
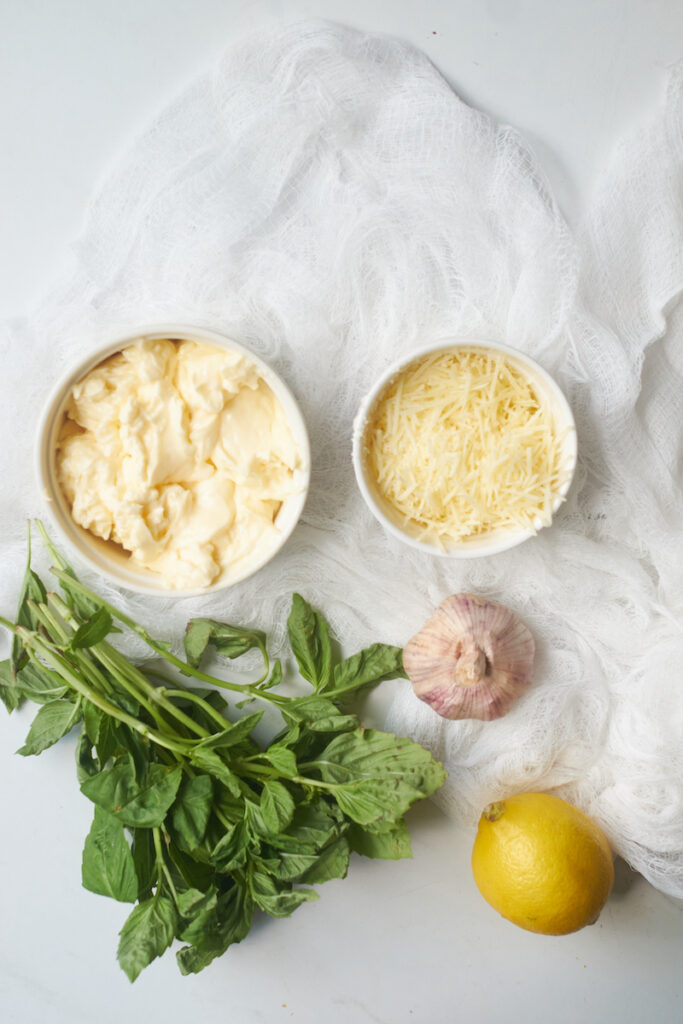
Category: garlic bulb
[472,659]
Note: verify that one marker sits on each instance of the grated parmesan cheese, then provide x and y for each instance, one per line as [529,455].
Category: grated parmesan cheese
[461,444]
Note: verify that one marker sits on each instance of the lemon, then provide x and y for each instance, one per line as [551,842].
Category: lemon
[542,863]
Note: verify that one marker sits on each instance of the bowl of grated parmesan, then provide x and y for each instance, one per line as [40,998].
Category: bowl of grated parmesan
[467,448]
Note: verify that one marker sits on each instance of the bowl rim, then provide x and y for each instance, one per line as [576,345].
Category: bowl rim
[116,342]
[502,543]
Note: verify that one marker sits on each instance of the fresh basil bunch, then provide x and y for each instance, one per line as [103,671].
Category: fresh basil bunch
[195,823]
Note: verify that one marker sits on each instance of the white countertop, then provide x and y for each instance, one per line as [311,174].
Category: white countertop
[394,942]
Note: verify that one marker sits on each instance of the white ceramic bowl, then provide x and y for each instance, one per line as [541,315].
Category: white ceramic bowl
[110,560]
[496,540]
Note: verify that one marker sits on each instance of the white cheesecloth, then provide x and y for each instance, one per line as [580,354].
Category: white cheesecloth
[323,197]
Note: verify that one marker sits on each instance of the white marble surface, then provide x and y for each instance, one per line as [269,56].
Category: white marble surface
[394,942]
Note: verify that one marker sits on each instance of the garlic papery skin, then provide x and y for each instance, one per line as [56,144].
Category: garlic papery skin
[472,659]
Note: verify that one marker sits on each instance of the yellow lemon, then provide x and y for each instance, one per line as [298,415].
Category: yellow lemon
[542,863]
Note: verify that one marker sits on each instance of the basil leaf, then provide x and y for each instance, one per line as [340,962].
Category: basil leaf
[131,742]
[313,827]
[39,684]
[278,903]
[92,630]
[281,758]
[191,810]
[86,765]
[275,677]
[335,723]
[53,721]
[362,671]
[277,806]
[212,763]
[140,804]
[379,775]
[288,865]
[369,801]
[233,735]
[230,641]
[10,695]
[108,867]
[309,639]
[230,924]
[92,720]
[331,862]
[372,755]
[194,872]
[147,933]
[193,901]
[200,913]
[107,740]
[392,844]
[308,709]
[144,861]
[230,851]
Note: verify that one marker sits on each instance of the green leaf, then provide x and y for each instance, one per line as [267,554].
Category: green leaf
[191,810]
[362,671]
[211,762]
[275,677]
[193,901]
[194,872]
[230,851]
[309,639]
[92,720]
[233,735]
[107,740]
[230,924]
[53,721]
[335,723]
[108,867]
[147,933]
[331,862]
[392,844]
[313,827]
[379,775]
[139,804]
[92,631]
[130,740]
[199,911]
[278,902]
[277,806]
[10,695]
[369,754]
[281,758]
[308,710]
[86,765]
[144,861]
[229,641]
[370,801]
[39,684]
[287,865]
[314,867]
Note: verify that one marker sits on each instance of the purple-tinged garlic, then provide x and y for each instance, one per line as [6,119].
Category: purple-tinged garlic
[472,659]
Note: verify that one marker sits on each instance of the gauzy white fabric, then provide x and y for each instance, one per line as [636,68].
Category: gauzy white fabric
[323,197]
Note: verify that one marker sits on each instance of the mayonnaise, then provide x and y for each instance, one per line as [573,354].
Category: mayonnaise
[181,453]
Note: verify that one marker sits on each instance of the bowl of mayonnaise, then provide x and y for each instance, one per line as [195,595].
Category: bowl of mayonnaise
[174,461]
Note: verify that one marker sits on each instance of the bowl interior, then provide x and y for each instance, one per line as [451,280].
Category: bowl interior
[110,559]
[493,541]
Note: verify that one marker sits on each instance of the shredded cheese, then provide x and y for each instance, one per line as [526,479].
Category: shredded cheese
[461,443]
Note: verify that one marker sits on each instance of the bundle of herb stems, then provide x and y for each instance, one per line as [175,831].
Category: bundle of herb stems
[194,822]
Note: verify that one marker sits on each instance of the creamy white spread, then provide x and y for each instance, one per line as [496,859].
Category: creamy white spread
[181,453]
